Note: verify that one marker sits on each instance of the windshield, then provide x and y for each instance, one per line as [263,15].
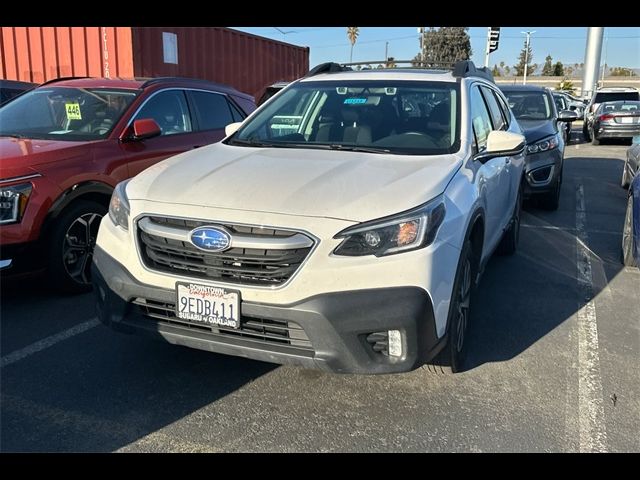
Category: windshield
[62,113]
[614,96]
[624,106]
[529,105]
[398,117]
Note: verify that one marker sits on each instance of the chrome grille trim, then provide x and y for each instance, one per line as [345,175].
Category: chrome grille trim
[259,268]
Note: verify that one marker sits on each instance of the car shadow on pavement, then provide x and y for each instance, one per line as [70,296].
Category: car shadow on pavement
[522,298]
[99,390]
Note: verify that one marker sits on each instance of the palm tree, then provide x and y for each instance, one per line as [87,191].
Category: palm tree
[352,33]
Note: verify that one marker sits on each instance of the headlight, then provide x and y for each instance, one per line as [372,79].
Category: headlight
[406,231]
[543,145]
[13,202]
[119,206]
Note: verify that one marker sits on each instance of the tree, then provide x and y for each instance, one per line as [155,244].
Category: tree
[558,69]
[566,85]
[547,69]
[507,70]
[623,72]
[447,44]
[496,71]
[569,71]
[526,55]
[352,34]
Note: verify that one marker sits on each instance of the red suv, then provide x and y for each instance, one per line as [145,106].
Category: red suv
[66,144]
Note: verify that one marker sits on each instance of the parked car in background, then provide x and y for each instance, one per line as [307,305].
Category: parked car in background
[11,88]
[543,126]
[67,143]
[563,103]
[270,91]
[631,228]
[619,119]
[632,162]
[608,94]
[351,244]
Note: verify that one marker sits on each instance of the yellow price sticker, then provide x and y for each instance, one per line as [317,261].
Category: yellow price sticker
[73,111]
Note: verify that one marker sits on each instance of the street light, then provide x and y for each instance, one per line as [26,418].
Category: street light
[526,55]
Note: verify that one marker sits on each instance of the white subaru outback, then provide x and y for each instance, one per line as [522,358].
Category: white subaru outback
[342,226]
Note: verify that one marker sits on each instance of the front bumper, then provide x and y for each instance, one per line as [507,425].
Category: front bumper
[335,325]
[542,170]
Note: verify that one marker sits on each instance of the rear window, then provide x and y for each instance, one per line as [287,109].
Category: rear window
[629,107]
[602,97]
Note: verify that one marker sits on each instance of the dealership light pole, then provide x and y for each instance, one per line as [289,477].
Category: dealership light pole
[592,54]
[526,54]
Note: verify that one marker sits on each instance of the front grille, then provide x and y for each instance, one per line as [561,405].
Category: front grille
[258,330]
[244,266]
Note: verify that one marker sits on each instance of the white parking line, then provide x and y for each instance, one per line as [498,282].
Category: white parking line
[40,345]
[591,424]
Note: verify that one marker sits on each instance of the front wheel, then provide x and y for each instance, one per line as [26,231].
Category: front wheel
[625,178]
[71,246]
[452,356]
[585,132]
[509,242]
[627,236]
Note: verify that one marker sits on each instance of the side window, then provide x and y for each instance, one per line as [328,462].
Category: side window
[235,112]
[480,118]
[169,109]
[212,110]
[504,106]
[494,109]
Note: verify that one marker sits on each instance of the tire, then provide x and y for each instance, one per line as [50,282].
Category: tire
[71,246]
[551,200]
[585,132]
[627,236]
[509,242]
[451,357]
[624,183]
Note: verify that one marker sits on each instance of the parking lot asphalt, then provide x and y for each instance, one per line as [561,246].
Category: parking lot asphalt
[552,367]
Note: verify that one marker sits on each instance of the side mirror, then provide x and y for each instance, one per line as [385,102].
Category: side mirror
[567,116]
[502,144]
[232,128]
[142,129]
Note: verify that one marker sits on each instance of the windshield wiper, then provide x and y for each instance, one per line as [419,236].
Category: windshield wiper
[358,148]
[251,143]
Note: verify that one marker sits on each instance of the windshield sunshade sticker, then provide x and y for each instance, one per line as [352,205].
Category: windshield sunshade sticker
[73,111]
[355,101]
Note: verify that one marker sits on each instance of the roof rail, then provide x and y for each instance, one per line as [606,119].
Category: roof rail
[328,67]
[466,68]
[61,79]
[463,68]
[151,81]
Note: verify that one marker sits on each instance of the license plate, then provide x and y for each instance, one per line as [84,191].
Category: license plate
[628,119]
[208,305]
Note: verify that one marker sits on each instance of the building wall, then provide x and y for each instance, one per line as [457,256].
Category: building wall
[38,54]
[244,61]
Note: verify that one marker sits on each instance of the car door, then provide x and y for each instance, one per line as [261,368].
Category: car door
[213,112]
[170,110]
[494,175]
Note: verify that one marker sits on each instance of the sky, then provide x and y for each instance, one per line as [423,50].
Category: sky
[621,45]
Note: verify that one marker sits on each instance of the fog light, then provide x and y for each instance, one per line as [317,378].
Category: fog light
[395,343]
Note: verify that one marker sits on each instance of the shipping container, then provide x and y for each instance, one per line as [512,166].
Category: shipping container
[247,62]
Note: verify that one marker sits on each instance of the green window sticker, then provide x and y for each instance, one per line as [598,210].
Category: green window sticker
[73,111]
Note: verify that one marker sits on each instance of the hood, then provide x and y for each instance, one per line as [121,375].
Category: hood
[23,154]
[535,130]
[317,183]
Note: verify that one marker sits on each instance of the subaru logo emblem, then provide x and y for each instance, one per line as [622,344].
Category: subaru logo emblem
[210,239]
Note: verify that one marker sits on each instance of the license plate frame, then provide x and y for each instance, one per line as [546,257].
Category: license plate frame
[222,301]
